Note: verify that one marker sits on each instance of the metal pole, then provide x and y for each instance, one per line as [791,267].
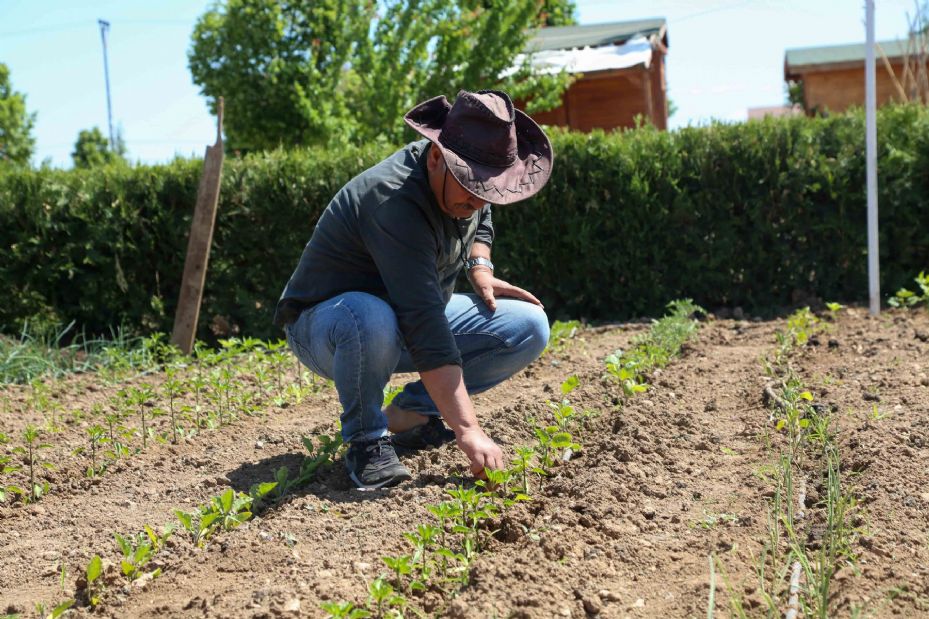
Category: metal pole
[104,29]
[874,283]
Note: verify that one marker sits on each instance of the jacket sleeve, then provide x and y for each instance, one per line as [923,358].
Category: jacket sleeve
[404,248]
[485,228]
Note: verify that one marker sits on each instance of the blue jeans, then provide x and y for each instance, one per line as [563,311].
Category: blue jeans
[354,340]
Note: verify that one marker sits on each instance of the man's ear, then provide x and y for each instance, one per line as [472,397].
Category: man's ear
[433,158]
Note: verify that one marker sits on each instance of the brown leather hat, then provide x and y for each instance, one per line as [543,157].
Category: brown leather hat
[494,150]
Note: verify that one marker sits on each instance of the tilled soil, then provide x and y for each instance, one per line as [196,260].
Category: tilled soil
[664,481]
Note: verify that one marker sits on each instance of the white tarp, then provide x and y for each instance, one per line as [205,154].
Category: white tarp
[634,52]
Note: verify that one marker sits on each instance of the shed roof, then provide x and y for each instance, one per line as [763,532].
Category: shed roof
[593,35]
[804,59]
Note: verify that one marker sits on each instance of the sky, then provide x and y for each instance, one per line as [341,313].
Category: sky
[725,56]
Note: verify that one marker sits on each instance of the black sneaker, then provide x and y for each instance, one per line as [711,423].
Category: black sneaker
[374,464]
[431,434]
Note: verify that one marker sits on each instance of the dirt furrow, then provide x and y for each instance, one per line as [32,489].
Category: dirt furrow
[663,484]
[873,373]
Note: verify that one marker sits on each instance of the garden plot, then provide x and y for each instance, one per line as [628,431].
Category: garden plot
[661,483]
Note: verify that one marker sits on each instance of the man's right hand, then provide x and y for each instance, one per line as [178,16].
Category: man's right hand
[481,451]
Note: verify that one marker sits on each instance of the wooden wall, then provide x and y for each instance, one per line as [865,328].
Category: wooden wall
[612,99]
[838,89]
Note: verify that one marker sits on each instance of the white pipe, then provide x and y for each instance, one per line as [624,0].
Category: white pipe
[874,284]
[793,604]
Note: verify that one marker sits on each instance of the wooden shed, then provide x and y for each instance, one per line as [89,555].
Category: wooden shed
[621,68]
[833,78]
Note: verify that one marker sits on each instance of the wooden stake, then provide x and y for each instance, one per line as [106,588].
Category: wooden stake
[198,244]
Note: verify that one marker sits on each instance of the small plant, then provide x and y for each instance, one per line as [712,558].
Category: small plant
[5,469]
[96,436]
[140,398]
[174,387]
[138,550]
[559,334]
[30,450]
[55,612]
[344,610]
[383,599]
[389,394]
[908,298]
[94,585]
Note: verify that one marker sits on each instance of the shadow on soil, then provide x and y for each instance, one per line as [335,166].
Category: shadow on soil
[331,482]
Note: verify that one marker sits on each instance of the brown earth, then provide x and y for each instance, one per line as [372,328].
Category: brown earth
[626,528]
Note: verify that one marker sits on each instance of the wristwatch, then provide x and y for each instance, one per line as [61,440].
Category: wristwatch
[470,263]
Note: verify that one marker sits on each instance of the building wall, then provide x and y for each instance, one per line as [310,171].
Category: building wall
[837,90]
[612,99]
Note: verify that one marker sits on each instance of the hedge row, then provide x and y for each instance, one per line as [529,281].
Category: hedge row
[761,215]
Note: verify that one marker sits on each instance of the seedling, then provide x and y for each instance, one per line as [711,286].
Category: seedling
[31,449]
[560,333]
[522,466]
[383,597]
[174,387]
[624,370]
[94,584]
[389,394]
[344,610]
[96,436]
[5,469]
[56,612]
[140,397]
[138,550]
[401,566]
[908,298]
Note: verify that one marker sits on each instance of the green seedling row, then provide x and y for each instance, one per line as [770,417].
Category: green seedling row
[443,550]
[206,391]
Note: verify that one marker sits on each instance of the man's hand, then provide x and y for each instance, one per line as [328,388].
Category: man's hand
[481,451]
[488,288]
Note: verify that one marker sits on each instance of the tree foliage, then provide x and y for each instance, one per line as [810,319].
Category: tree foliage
[16,140]
[92,149]
[344,71]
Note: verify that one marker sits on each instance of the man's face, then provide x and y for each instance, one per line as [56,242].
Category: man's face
[457,202]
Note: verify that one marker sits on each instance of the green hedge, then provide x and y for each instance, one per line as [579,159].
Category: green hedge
[762,214]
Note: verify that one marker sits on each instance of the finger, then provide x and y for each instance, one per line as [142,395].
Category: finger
[477,466]
[487,296]
[519,293]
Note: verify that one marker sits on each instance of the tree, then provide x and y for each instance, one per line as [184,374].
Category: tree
[344,71]
[92,149]
[16,140]
[558,12]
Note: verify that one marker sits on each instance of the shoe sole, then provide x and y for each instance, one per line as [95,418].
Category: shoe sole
[390,481]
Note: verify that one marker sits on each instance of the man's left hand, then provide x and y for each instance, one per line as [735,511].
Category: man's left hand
[488,288]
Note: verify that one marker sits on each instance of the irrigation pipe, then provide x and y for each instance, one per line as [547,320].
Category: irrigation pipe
[793,603]
[771,396]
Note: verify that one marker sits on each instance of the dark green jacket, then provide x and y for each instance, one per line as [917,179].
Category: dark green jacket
[383,233]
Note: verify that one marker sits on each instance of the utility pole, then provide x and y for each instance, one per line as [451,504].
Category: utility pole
[874,280]
[104,29]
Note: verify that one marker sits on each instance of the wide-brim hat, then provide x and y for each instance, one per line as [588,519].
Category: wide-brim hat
[492,149]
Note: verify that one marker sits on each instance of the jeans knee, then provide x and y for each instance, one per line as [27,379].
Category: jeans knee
[537,330]
[372,322]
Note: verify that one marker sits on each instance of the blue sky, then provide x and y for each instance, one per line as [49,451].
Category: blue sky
[725,56]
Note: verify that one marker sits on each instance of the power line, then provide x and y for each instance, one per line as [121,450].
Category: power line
[83,24]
